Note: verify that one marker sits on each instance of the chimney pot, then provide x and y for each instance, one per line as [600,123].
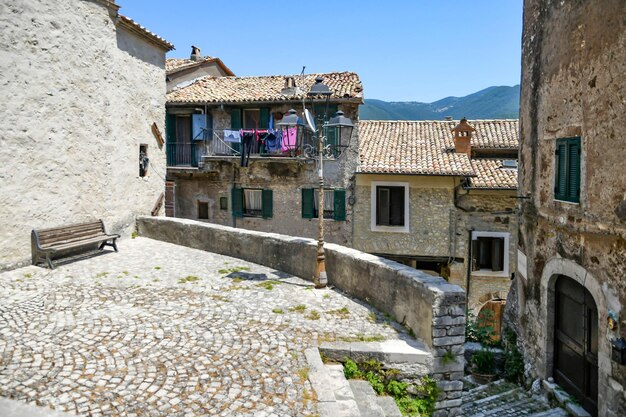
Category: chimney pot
[463,137]
[195,53]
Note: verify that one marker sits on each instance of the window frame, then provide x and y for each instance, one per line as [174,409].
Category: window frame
[374,205]
[568,142]
[339,204]
[505,255]
[243,202]
[316,212]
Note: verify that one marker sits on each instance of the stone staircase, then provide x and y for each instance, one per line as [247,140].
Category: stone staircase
[338,397]
[501,398]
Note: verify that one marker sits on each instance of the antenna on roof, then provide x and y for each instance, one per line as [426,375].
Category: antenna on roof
[302,84]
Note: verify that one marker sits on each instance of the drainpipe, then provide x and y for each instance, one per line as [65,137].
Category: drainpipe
[469,268]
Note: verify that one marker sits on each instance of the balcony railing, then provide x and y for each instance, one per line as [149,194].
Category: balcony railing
[191,153]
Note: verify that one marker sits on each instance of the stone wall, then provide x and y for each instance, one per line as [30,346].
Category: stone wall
[284,176]
[431,307]
[80,95]
[573,56]
[439,228]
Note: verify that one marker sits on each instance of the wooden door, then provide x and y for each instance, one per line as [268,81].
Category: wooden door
[576,343]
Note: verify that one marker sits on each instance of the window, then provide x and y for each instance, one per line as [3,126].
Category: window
[390,206]
[143,160]
[567,170]
[223,203]
[203,210]
[490,255]
[247,202]
[334,204]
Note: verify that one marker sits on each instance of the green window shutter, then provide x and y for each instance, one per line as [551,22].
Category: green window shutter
[573,170]
[237,201]
[560,183]
[235,119]
[307,203]
[339,212]
[267,204]
[264,118]
[170,128]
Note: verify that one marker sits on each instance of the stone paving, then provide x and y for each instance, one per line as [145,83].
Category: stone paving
[158,329]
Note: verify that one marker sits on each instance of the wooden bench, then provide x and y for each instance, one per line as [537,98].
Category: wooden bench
[47,242]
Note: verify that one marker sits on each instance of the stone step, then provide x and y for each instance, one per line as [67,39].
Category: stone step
[366,399]
[338,397]
[554,412]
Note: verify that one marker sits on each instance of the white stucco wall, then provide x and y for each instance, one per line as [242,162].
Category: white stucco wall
[78,98]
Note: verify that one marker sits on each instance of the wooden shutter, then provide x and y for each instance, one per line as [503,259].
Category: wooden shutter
[573,170]
[267,204]
[264,118]
[307,203]
[339,209]
[560,182]
[170,188]
[235,119]
[170,128]
[497,254]
[237,201]
[382,206]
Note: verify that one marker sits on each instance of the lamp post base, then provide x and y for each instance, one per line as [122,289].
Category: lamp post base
[320,279]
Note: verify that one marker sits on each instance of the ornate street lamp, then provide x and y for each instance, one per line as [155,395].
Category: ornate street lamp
[338,128]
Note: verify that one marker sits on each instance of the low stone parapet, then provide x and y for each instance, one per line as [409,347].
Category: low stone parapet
[432,308]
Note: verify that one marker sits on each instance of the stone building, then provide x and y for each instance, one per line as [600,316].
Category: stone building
[82,87]
[572,241]
[275,189]
[181,72]
[440,196]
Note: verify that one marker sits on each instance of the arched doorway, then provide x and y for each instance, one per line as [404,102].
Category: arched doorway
[576,342]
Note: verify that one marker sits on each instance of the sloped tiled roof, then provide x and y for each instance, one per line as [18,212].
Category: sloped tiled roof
[144,32]
[409,147]
[491,174]
[427,148]
[173,65]
[344,85]
[492,134]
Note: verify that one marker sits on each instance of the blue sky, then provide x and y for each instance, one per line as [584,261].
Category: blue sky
[412,50]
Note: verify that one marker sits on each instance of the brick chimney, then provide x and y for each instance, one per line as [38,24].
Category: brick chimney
[195,53]
[463,137]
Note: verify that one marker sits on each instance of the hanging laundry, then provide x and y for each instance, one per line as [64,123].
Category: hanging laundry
[232,136]
[247,141]
[272,142]
[289,139]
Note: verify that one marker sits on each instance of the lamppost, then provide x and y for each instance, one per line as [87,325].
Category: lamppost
[340,126]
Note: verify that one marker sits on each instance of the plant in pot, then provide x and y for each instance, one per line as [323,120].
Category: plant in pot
[484,366]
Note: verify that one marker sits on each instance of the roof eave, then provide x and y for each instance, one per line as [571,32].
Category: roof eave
[136,29]
[239,103]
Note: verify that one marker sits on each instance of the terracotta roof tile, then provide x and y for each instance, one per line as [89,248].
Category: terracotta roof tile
[409,147]
[176,64]
[493,134]
[491,174]
[345,85]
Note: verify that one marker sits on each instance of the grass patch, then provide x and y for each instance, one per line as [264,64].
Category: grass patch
[341,312]
[157,268]
[29,275]
[238,279]
[188,278]
[372,317]
[268,285]
[278,311]
[134,235]
[154,280]
[363,338]
[220,298]
[227,271]
[303,373]
[326,296]
[102,274]
[313,315]
[298,309]
[235,288]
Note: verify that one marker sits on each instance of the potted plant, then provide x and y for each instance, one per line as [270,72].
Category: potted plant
[484,366]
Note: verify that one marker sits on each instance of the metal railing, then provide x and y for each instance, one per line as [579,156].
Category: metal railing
[189,154]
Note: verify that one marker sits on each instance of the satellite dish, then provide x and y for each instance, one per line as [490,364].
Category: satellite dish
[310,122]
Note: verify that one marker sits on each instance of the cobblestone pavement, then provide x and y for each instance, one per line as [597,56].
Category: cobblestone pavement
[159,329]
